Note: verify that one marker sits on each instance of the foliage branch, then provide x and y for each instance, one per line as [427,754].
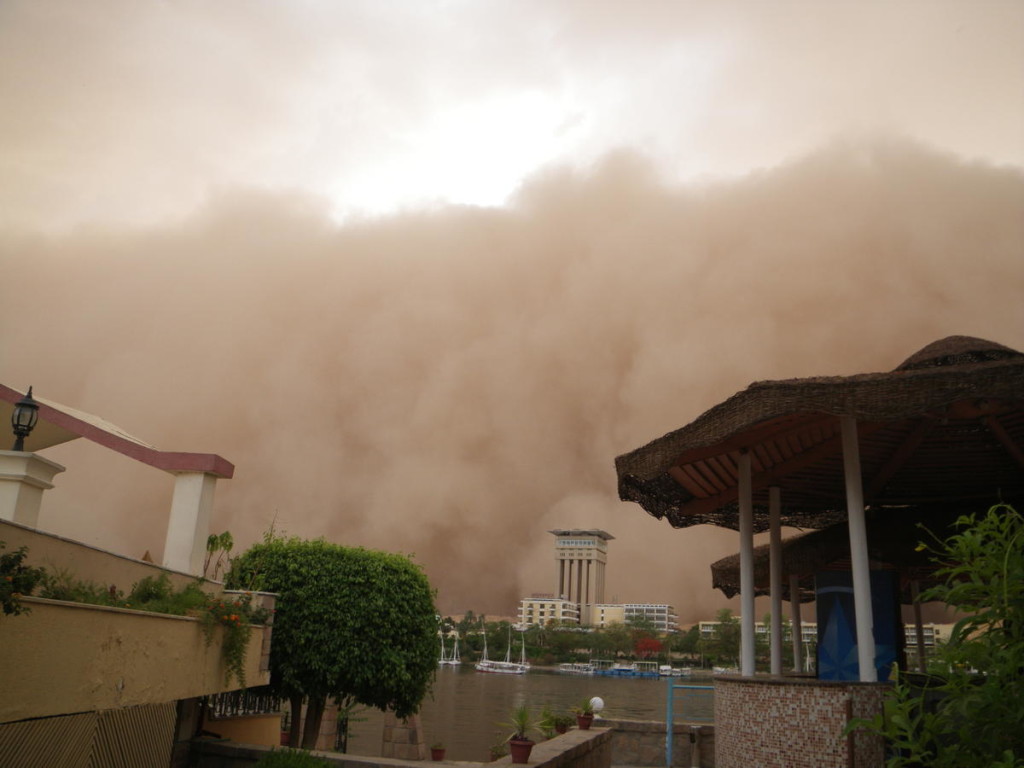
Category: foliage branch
[971,712]
[16,579]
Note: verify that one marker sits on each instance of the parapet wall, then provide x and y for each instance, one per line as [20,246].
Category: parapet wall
[642,743]
[575,749]
[786,722]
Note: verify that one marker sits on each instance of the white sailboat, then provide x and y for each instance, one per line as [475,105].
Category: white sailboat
[506,667]
[452,660]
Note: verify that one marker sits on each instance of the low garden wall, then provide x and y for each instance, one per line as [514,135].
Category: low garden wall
[575,749]
[642,743]
[789,722]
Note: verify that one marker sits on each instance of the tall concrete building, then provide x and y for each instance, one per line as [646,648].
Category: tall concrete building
[582,556]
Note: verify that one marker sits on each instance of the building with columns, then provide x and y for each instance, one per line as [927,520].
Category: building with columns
[582,556]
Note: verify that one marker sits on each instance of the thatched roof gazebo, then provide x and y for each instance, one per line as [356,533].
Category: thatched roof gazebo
[941,432]
[945,426]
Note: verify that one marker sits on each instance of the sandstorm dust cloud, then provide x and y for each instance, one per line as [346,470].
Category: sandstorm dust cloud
[455,383]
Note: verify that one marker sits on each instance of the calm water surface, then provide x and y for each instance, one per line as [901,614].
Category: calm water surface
[467,706]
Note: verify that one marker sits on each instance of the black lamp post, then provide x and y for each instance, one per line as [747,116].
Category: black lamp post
[23,419]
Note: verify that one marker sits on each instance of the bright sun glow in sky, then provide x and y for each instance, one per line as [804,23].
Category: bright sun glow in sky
[123,111]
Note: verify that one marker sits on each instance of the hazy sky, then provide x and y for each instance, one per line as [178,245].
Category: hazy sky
[422,269]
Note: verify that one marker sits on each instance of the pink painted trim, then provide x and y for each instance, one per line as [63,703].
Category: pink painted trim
[169,461]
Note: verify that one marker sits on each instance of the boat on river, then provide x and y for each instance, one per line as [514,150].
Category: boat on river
[450,660]
[576,668]
[633,669]
[667,670]
[506,667]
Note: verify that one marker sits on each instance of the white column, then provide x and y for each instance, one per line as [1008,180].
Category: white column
[797,622]
[23,478]
[915,590]
[858,551]
[775,547]
[189,523]
[746,502]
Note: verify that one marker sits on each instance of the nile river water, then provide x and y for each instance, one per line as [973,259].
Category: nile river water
[467,707]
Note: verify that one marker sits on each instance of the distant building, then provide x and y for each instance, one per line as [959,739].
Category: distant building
[933,634]
[661,615]
[540,609]
[603,614]
[581,556]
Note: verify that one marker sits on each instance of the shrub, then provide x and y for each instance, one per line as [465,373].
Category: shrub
[290,758]
[16,579]
[971,715]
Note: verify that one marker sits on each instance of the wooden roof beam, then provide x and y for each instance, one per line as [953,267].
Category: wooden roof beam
[899,457]
[1004,437]
[831,447]
[773,429]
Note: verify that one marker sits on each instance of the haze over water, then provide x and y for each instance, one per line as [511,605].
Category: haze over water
[468,709]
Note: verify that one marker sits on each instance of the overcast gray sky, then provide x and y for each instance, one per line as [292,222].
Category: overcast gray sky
[422,269]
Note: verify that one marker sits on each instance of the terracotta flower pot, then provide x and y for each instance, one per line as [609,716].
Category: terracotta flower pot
[437,753]
[583,722]
[561,728]
[520,750]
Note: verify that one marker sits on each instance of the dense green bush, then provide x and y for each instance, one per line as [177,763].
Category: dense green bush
[970,714]
[16,579]
[290,758]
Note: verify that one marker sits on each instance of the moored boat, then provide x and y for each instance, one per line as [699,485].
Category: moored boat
[506,667]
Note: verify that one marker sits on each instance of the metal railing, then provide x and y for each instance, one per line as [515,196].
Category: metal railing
[248,701]
[673,687]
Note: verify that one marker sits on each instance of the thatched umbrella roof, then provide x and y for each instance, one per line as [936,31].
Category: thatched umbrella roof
[892,543]
[945,428]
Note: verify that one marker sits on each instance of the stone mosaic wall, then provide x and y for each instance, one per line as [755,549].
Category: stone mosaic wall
[793,723]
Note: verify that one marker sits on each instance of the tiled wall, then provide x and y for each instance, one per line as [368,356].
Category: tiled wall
[794,723]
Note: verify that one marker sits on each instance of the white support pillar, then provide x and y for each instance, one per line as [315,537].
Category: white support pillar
[775,548]
[915,593]
[189,523]
[858,551]
[23,478]
[746,503]
[796,620]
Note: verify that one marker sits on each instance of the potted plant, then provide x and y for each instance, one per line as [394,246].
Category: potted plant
[499,749]
[584,714]
[437,751]
[563,723]
[519,743]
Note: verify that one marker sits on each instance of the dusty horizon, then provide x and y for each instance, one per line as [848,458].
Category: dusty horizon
[421,270]
[454,384]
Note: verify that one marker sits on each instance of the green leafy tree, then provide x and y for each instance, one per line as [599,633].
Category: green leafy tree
[687,643]
[724,646]
[972,714]
[619,639]
[352,624]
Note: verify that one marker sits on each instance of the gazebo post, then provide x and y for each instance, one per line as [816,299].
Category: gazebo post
[858,551]
[775,575]
[796,620]
[746,504]
[915,594]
